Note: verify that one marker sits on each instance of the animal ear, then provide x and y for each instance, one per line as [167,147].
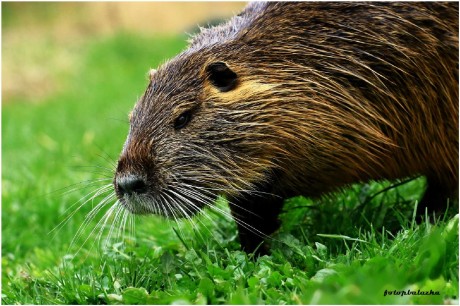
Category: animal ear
[221,76]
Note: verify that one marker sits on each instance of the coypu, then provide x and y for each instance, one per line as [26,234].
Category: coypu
[297,98]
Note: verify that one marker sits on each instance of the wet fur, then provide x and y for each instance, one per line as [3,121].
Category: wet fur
[328,94]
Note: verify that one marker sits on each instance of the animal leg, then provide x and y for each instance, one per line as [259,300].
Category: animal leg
[256,217]
[434,200]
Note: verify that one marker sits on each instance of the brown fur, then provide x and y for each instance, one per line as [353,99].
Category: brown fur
[327,94]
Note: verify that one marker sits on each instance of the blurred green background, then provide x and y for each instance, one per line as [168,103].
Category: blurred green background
[44,43]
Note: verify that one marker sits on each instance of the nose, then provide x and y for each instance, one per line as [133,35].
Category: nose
[130,185]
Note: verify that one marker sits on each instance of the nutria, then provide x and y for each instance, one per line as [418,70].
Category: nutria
[297,98]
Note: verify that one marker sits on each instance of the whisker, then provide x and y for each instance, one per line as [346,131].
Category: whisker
[207,201]
[109,170]
[188,203]
[170,205]
[123,225]
[206,190]
[119,212]
[115,207]
[90,216]
[87,183]
[103,220]
[89,197]
[111,161]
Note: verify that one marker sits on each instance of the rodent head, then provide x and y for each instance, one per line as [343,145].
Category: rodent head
[194,134]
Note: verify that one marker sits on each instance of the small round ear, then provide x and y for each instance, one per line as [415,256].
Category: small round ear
[221,76]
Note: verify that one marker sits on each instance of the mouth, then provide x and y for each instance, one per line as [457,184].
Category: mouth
[177,200]
[168,204]
[138,205]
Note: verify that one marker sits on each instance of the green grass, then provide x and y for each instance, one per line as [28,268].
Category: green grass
[347,248]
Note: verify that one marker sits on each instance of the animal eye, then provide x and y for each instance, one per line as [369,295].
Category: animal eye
[221,76]
[182,120]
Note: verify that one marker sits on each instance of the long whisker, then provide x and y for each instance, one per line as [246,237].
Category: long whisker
[90,216]
[116,207]
[190,205]
[171,205]
[87,198]
[103,220]
[207,201]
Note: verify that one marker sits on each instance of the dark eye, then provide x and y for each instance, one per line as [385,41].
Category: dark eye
[182,120]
